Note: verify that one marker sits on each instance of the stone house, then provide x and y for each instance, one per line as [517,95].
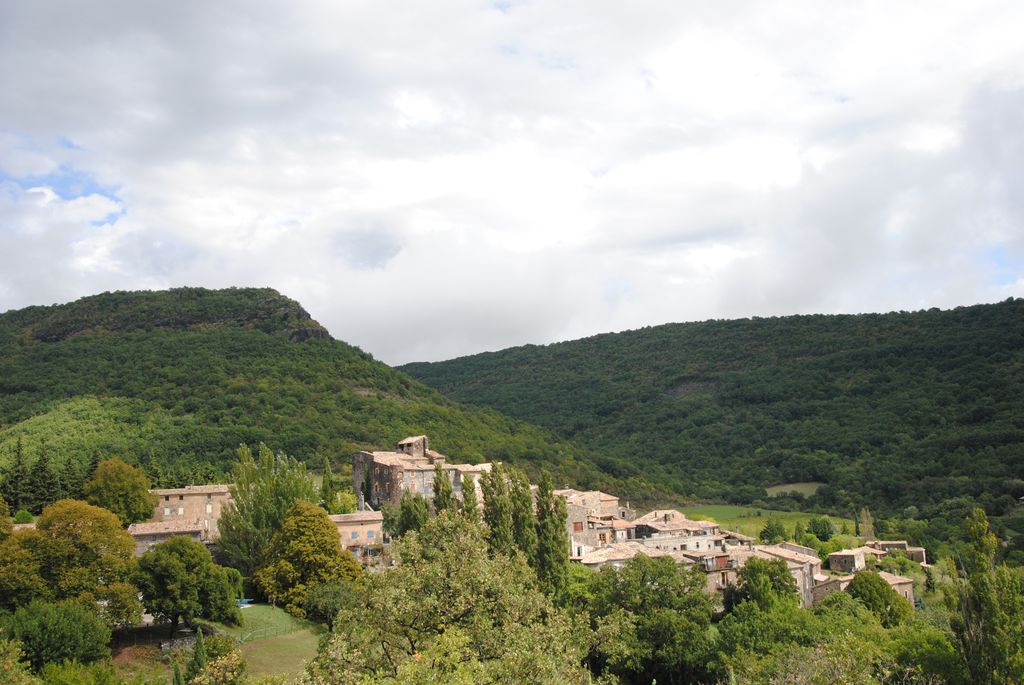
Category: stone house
[616,554]
[670,521]
[152,533]
[903,586]
[595,519]
[828,586]
[913,553]
[805,568]
[846,561]
[361,532]
[194,505]
[410,469]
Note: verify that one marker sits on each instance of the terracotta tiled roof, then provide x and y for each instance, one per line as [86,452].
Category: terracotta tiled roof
[358,517]
[193,490]
[165,527]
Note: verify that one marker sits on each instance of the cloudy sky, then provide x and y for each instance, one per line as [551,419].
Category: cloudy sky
[439,178]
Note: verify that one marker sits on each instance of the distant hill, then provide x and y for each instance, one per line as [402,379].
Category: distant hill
[889,410]
[176,380]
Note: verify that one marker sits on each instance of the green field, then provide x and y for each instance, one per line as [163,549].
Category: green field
[805,489]
[273,641]
[750,520]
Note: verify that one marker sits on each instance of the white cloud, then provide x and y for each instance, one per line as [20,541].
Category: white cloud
[492,176]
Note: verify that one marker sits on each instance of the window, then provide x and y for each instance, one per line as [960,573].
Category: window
[577,526]
[369,534]
[181,498]
[167,511]
[355,534]
[167,498]
[181,510]
[209,508]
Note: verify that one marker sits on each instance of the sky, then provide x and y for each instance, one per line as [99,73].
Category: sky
[434,179]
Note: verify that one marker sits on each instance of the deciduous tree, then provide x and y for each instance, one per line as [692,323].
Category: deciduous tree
[879,597]
[51,633]
[444,496]
[122,489]
[264,491]
[552,539]
[180,582]
[305,552]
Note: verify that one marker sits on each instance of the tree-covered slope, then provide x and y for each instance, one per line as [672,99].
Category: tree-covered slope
[184,376]
[889,410]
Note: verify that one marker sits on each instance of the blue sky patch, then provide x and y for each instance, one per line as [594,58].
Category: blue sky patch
[67,182]
[1006,267]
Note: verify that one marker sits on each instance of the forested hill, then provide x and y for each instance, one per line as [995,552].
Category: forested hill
[176,380]
[890,410]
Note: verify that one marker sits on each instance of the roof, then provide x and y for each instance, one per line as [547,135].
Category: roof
[357,517]
[894,579]
[670,519]
[737,536]
[165,527]
[788,554]
[584,497]
[846,553]
[412,439]
[869,550]
[213,489]
[620,551]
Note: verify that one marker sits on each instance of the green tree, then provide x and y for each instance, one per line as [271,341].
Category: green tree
[328,488]
[305,552]
[822,528]
[986,604]
[15,482]
[325,600]
[773,531]
[5,520]
[122,489]
[652,619]
[473,617]
[23,516]
[552,539]
[81,548]
[13,669]
[470,506]
[42,484]
[197,664]
[799,531]
[180,582]
[21,578]
[524,521]
[264,491]
[177,679]
[879,597]
[52,633]
[497,510]
[763,582]
[444,496]
[413,512]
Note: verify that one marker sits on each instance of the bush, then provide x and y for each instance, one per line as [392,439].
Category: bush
[75,673]
[22,517]
[53,633]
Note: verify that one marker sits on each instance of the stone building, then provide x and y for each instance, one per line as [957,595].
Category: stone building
[903,586]
[889,546]
[152,533]
[410,469]
[361,532]
[846,561]
[194,505]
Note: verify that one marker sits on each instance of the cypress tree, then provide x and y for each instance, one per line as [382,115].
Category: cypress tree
[198,663]
[16,480]
[524,523]
[328,488]
[444,496]
[552,539]
[367,487]
[177,680]
[497,511]
[413,513]
[469,501]
[41,486]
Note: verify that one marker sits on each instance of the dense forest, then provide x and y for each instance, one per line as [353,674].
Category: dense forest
[176,380]
[902,412]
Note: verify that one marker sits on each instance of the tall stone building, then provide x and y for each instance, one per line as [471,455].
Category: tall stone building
[410,468]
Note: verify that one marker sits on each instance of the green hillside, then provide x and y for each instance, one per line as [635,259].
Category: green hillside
[890,410]
[176,380]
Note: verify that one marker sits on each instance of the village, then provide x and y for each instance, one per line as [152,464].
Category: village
[602,530]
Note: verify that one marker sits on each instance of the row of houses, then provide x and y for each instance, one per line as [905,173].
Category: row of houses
[604,533]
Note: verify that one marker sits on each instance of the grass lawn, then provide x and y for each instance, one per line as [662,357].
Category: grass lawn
[805,489]
[750,520]
[273,641]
